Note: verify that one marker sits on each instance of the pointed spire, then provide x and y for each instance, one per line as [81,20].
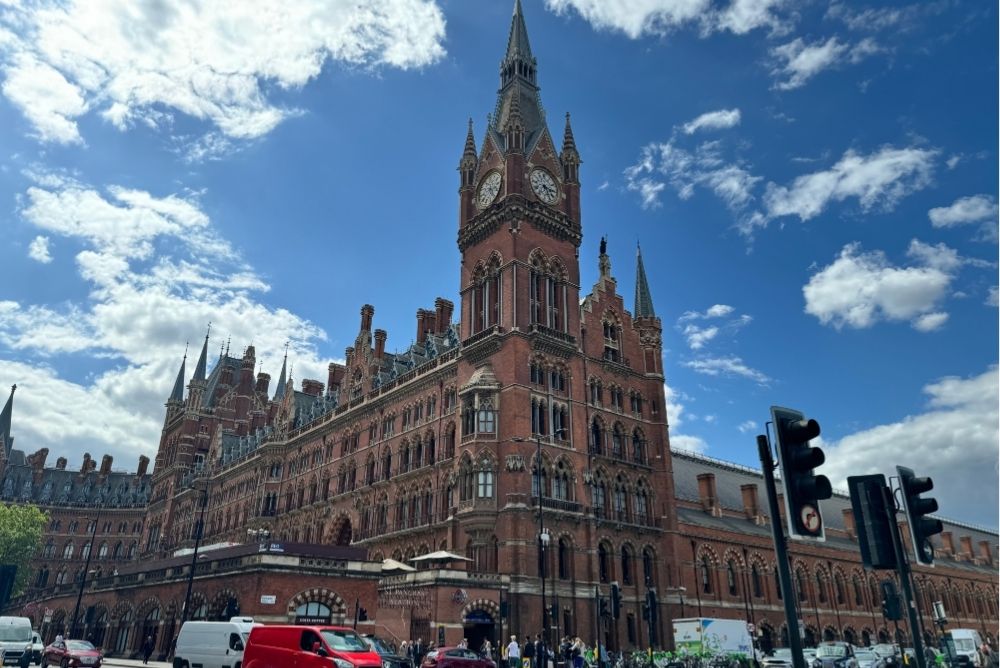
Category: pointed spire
[279,391]
[569,143]
[199,370]
[643,300]
[178,393]
[517,42]
[470,142]
[5,417]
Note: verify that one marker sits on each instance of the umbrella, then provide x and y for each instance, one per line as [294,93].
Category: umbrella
[441,555]
[393,565]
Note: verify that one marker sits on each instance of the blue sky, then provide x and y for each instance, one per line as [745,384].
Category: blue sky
[814,185]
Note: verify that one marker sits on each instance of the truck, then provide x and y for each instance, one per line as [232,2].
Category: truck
[702,635]
[966,643]
[15,641]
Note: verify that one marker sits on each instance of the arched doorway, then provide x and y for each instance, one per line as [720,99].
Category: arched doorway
[850,636]
[124,630]
[883,636]
[810,638]
[100,628]
[829,634]
[866,637]
[479,623]
[150,626]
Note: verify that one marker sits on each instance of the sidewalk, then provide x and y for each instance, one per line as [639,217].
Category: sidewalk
[135,663]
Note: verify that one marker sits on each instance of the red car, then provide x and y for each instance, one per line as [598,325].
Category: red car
[455,657]
[71,654]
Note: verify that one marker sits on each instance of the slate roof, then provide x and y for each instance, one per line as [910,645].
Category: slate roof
[64,487]
[728,479]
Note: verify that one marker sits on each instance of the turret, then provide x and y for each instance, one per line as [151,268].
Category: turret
[570,159]
[467,167]
[645,321]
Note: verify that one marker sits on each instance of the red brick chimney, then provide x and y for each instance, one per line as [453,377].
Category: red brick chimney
[106,461]
[380,337]
[421,325]
[966,542]
[984,552]
[751,502]
[367,311]
[443,310]
[335,376]
[707,494]
[37,460]
[263,381]
[85,466]
[948,541]
[313,388]
[143,466]
[849,525]
[61,464]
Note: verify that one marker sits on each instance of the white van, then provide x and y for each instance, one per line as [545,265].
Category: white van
[15,641]
[967,643]
[213,644]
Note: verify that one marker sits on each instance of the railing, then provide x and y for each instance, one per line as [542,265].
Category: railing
[392,527]
[549,503]
[620,456]
[479,336]
[553,333]
[605,514]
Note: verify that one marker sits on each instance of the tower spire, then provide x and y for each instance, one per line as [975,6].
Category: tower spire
[643,300]
[177,395]
[5,416]
[199,370]
[519,81]
[279,391]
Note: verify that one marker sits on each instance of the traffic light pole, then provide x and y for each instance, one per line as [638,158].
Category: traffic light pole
[781,554]
[903,566]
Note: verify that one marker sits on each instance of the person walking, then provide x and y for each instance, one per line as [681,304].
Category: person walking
[486,650]
[529,651]
[147,649]
[514,653]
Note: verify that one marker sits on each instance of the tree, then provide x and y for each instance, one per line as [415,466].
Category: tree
[21,529]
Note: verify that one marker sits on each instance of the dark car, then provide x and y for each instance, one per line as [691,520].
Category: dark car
[390,658]
[835,655]
[455,657]
[71,653]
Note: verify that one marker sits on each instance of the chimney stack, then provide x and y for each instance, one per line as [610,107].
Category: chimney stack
[966,542]
[61,464]
[849,525]
[707,494]
[367,311]
[85,467]
[751,502]
[263,380]
[948,540]
[421,325]
[313,388]
[143,465]
[380,337]
[106,461]
[984,552]
[442,314]
[335,376]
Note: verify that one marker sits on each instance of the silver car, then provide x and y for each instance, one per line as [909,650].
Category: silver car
[835,655]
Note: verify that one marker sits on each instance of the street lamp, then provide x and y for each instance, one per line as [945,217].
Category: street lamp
[198,531]
[262,535]
[86,568]
[543,537]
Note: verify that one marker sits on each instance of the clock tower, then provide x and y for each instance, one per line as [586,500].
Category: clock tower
[519,211]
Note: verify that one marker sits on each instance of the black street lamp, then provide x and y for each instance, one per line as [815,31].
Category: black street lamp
[86,568]
[199,530]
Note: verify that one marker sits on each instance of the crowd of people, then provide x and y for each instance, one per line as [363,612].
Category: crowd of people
[570,652]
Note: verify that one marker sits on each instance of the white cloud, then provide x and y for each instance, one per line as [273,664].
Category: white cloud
[714,120]
[675,418]
[975,209]
[727,366]
[687,443]
[660,17]
[796,62]
[158,273]
[38,249]
[661,164]
[748,425]
[215,62]
[880,179]
[698,336]
[859,289]
[993,296]
[954,441]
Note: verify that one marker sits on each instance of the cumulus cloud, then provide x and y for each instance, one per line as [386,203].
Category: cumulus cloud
[973,210]
[797,62]
[158,274]
[731,366]
[676,409]
[661,17]
[699,336]
[38,249]
[954,440]
[662,164]
[878,180]
[859,288]
[748,425]
[713,120]
[213,62]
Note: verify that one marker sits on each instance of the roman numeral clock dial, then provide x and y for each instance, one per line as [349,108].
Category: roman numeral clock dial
[544,186]
[488,189]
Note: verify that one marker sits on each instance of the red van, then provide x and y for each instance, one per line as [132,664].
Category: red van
[308,647]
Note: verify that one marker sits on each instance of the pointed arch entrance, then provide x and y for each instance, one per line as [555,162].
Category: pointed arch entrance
[479,623]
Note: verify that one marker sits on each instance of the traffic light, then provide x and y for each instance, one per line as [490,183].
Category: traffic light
[616,600]
[803,489]
[921,527]
[603,607]
[651,603]
[554,612]
[892,609]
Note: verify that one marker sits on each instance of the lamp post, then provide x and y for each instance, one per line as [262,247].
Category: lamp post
[83,578]
[198,531]
[262,535]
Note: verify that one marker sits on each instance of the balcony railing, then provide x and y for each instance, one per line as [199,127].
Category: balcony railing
[550,503]
[603,513]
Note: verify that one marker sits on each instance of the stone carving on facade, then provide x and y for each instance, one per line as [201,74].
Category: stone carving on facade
[515,463]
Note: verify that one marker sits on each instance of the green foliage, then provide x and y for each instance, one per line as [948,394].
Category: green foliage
[21,529]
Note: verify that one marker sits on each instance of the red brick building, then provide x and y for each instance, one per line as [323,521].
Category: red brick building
[400,454]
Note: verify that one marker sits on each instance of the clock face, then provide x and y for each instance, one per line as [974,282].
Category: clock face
[488,189]
[544,186]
